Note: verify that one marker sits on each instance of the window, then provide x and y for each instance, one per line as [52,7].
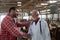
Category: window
[55,16]
[26,17]
[2,16]
[49,16]
[44,16]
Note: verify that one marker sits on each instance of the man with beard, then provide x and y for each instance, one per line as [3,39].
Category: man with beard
[38,29]
[9,30]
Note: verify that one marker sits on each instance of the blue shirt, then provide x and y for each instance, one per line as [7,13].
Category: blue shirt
[34,30]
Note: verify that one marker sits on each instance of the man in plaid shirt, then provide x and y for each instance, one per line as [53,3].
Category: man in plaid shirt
[9,29]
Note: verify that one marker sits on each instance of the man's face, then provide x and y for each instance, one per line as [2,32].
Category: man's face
[34,15]
[15,13]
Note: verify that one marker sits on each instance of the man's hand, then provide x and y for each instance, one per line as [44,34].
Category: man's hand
[26,35]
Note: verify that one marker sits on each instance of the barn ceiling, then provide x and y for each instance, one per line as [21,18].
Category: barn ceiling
[26,5]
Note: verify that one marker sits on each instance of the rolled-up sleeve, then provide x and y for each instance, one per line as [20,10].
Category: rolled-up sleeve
[26,24]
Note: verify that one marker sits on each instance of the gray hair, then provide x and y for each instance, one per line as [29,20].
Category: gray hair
[34,11]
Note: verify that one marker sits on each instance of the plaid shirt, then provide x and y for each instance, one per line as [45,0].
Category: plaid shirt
[9,29]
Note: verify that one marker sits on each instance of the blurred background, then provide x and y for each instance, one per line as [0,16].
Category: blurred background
[47,9]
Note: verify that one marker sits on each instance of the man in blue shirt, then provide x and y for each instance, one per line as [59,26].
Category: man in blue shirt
[38,29]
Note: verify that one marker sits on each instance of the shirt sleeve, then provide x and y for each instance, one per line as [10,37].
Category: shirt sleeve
[26,24]
[47,32]
[11,27]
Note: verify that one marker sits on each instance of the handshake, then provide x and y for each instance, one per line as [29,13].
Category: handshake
[26,35]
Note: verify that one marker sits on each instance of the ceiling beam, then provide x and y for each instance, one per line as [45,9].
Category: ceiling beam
[28,3]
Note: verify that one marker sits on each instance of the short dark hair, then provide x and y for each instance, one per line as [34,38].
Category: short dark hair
[12,8]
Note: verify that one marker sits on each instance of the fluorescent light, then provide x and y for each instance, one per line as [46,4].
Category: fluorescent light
[52,1]
[18,3]
[44,3]
[38,5]
[43,11]
[48,9]
[26,17]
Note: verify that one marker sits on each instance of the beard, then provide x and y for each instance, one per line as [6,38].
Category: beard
[34,18]
[15,15]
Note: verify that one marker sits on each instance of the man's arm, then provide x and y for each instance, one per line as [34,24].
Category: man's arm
[21,24]
[11,27]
